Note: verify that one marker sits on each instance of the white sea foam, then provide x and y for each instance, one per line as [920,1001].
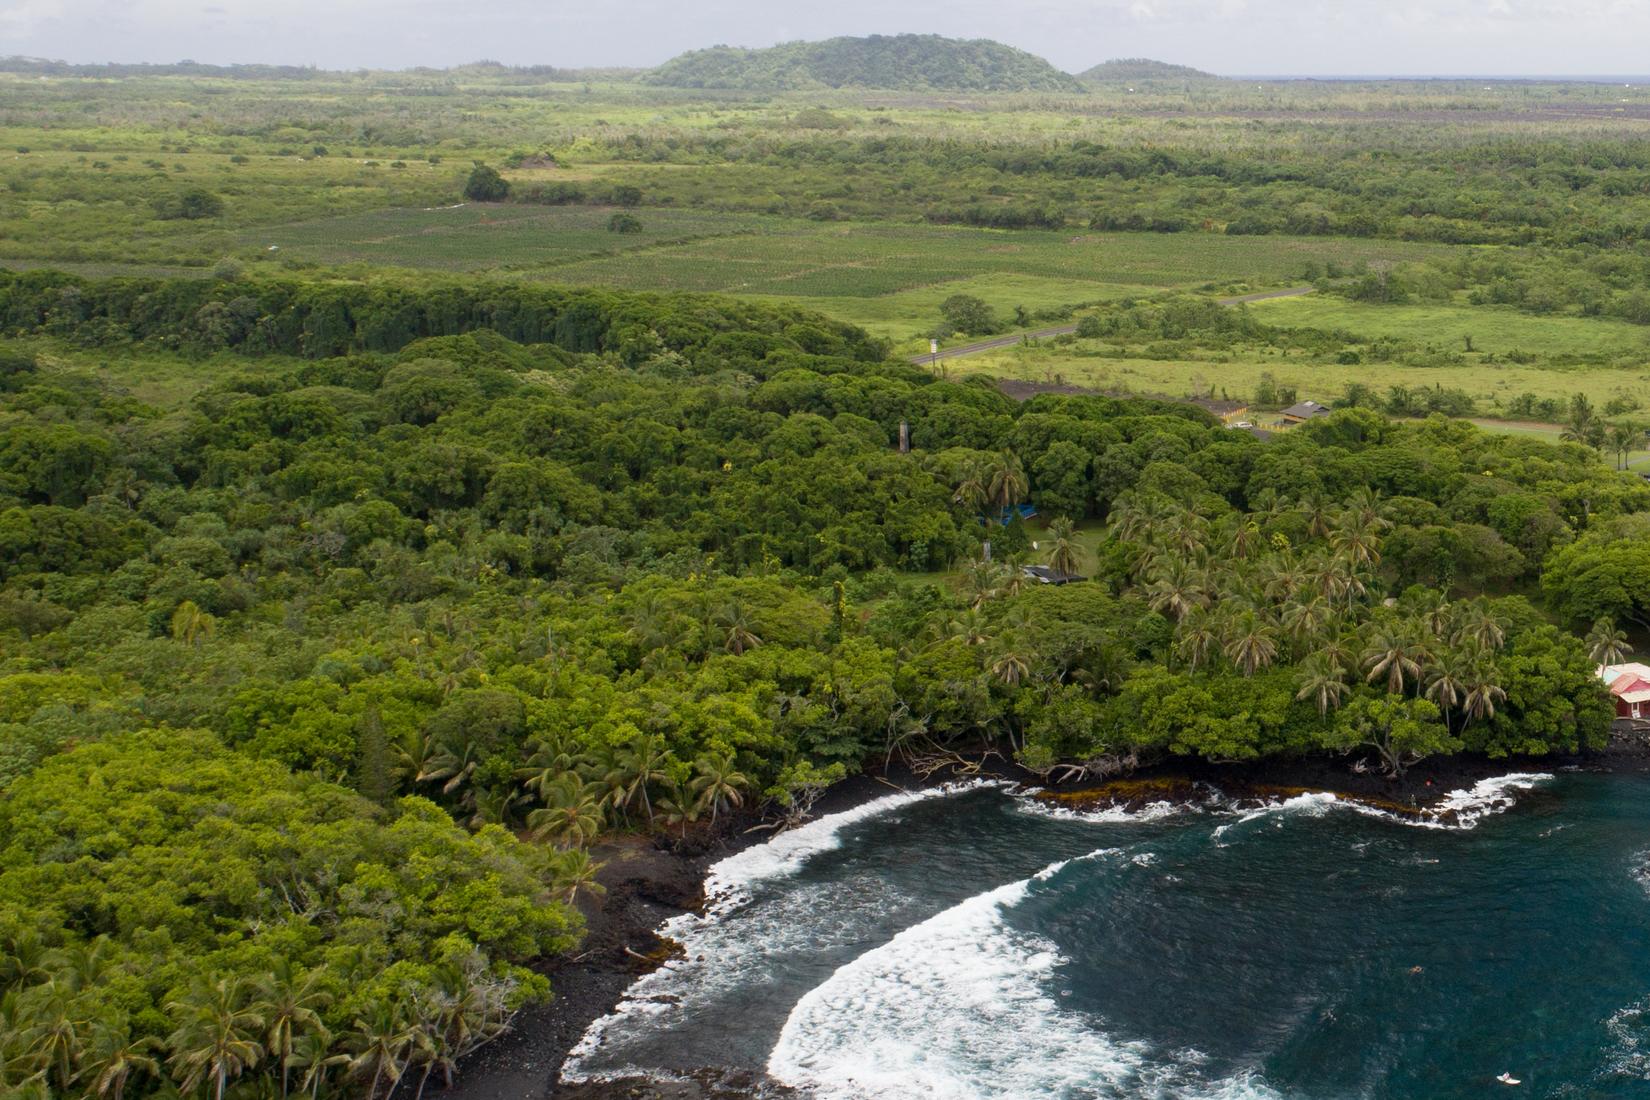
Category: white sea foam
[1111,815]
[1465,809]
[1629,1029]
[719,957]
[728,882]
[954,1007]
[1458,810]
[959,1007]
[1312,804]
[1641,870]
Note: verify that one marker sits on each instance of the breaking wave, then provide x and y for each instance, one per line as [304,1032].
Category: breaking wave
[727,883]
[963,1007]
[948,1008]
[719,958]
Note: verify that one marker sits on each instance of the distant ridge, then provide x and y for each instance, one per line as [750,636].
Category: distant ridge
[906,62]
[1142,68]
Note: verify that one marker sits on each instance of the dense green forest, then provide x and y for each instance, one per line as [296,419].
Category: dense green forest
[317,684]
[368,554]
[911,62]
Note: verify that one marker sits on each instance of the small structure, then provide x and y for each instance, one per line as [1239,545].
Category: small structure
[1047,574]
[1227,411]
[1630,687]
[1007,514]
[1248,426]
[1304,411]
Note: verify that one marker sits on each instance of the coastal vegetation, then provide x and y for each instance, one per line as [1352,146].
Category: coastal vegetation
[401,493]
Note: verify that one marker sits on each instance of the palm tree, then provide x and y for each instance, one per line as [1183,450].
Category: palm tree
[54,1039]
[1319,513]
[451,765]
[1446,680]
[1007,484]
[1064,555]
[1011,666]
[608,778]
[973,491]
[571,817]
[294,1002]
[1307,620]
[1196,637]
[1324,682]
[1478,623]
[719,783]
[1480,691]
[1393,653]
[1582,426]
[1245,540]
[741,635]
[551,761]
[1176,589]
[1250,644]
[1363,507]
[1187,535]
[984,582]
[312,1053]
[215,1037]
[1607,645]
[116,1057]
[576,871]
[378,1045]
[645,762]
[679,807]
[191,625]
[1358,540]
[969,625]
[1622,439]
[24,960]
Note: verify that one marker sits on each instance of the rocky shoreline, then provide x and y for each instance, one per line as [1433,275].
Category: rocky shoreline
[648,882]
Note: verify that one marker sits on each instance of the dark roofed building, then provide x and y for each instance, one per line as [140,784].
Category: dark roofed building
[1304,411]
[1044,574]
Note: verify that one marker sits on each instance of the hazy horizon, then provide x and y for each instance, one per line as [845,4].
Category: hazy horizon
[1507,38]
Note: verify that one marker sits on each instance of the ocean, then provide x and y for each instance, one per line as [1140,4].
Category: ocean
[975,942]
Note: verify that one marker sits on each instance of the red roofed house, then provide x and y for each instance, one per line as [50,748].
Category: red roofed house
[1630,685]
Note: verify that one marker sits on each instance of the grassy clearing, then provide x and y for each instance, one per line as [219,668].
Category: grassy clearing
[475,237]
[164,381]
[1491,385]
[888,277]
[1494,331]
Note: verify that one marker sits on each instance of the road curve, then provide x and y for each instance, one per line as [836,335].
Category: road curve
[1062,330]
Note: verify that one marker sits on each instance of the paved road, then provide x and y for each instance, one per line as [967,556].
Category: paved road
[1061,330]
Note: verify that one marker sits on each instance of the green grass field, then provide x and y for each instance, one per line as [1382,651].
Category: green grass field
[888,277]
[1493,330]
[1491,385]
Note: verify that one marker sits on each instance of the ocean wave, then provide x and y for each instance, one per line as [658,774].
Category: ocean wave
[727,883]
[953,1007]
[1459,810]
[1111,815]
[1312,804]
[1464,809]
[719,957]
[1629,1030]
[960,1007]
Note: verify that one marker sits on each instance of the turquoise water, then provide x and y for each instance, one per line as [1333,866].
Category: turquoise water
[973,945]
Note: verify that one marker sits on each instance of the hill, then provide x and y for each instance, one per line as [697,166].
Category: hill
[1141,68]
[907,62]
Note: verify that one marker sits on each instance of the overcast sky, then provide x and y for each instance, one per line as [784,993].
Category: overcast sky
[1226,36]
